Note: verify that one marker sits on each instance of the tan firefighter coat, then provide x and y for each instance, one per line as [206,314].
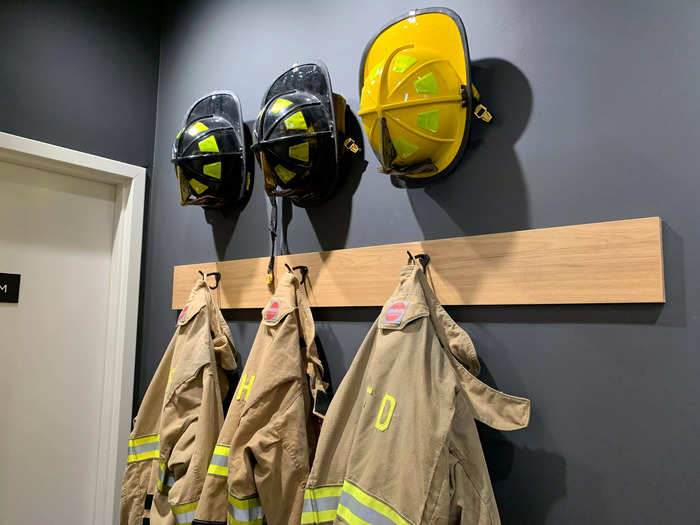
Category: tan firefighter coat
[180,417]
[399,444]
[265,449]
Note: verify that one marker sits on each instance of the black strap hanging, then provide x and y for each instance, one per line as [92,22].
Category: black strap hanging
[273,239]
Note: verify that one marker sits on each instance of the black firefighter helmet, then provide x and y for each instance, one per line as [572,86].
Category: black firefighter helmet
[299,135]
[211,154]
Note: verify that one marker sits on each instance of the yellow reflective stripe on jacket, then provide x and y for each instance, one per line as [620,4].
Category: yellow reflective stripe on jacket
[184,514]
[349,502]
[245,511]
[165,480]
[357,508]
[219,461]
[144,447]
[321,504]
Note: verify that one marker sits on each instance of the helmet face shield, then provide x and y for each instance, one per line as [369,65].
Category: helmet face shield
[210,154]
[413,102]
[296,138]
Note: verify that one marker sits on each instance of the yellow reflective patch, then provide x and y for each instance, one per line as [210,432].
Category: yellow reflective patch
[151,454]
[213,170]
[349,517]
[300,151]
[403,62]
[197,186]
[279,104]
[179,134]
[222,450]
[234,521]
[247,182]
[153,438]
[391,402]
[296,121]
[370,390]
[371,502]
[404,148]
[323,492]
[219,470]
[321,516]
[196,128]
[208,144]
[376,71]
[284,174]
[245,504]
[245,386]
[188,507]
[429,120]
[170,375]
[426,84]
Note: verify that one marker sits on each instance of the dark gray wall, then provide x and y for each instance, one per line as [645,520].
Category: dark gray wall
[597,118]
[82,75]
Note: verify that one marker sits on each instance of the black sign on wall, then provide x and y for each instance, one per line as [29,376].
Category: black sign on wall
[9,287]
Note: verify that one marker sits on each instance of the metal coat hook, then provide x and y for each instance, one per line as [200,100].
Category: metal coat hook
[422,258]
[303,269]
[217,278]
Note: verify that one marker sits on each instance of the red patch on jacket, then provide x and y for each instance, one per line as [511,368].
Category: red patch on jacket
[182,315]
[272,310]
[395,312]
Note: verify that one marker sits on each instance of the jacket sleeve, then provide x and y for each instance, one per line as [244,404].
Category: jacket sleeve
[468,506]
[213,501]
[282,465]
[192,418]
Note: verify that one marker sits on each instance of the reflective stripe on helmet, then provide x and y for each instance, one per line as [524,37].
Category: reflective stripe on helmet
[300,151]
[429,120]
[404,148]
[278,105]
[213,170]
[284,174]
[403,62]
[196,128]
[427,84]
[296,121]
[197,186]
[208,144]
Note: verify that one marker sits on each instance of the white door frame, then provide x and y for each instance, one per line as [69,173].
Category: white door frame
[123,303]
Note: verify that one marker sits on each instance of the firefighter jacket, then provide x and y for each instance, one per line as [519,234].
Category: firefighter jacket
[399,444]
[264,452]
[180,417]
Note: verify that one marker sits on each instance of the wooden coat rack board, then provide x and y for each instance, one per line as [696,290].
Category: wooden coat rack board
[607,262]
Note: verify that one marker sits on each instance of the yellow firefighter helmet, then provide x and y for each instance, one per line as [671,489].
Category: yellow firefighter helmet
[415,105]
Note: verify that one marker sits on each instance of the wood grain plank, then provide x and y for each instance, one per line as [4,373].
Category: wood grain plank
[606,262]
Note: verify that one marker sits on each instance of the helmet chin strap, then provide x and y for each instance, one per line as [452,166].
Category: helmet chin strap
[273,239]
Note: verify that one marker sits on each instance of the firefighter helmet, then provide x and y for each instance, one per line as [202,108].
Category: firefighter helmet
[297,137]
[211,153]
[414,102]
